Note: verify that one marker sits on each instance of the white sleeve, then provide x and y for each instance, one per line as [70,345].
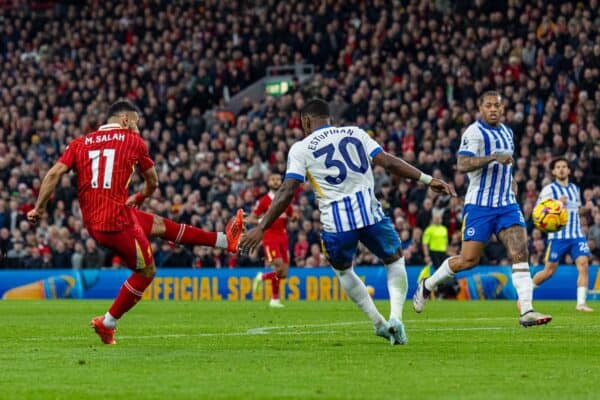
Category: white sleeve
[471,143]
[371,146]
[577,200]
[545,194]
[296,165]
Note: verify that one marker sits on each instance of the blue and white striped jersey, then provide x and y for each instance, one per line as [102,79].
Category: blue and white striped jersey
[555,191]
[491,185]
[337,162]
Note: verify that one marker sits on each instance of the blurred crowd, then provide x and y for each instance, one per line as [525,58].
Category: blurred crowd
[408,72]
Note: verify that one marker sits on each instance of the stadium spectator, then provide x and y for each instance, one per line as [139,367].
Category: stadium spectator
[61,256]
[34,260]
[408,75]
[301,249]
[316,258]
[594,234]
[93,256]
[180,256]
[77,257]
[16,254]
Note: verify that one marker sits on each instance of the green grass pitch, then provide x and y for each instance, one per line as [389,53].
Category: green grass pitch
[309,350]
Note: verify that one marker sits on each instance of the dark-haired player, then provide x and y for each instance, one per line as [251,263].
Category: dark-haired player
[491,206]
[338,162]
[104,161]
[275,242]
[569,239]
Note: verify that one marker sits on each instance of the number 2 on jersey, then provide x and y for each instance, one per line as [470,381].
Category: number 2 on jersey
[329,151]
[109,155]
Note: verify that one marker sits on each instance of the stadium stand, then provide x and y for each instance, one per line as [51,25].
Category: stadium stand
[408,72]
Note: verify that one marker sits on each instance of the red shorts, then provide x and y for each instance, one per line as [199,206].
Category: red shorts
[277,248]
[145,220]
[131,244]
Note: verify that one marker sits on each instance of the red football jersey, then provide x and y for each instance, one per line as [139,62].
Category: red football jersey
[279,227]
[104,162]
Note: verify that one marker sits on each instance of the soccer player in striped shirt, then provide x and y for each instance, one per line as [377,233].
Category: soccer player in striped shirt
[104,161]
[571,238]
[491,206]
[338,163]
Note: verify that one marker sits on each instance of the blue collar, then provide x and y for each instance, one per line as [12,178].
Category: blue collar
[486,126]
[322,127]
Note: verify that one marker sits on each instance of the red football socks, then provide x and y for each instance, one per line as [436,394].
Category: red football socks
[131,292]
[186,234]
[272,276]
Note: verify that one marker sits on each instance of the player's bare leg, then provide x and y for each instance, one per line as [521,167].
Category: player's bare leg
[280,272]
[545,274]
[156,226]
[469,256]
[514,240]
[582,284]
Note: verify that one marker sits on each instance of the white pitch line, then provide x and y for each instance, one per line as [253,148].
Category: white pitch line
[278,330]
[266,329]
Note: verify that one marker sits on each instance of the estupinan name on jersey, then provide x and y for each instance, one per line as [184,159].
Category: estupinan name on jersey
[105,138]
[314,142]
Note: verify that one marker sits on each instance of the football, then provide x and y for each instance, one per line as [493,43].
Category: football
[550,215]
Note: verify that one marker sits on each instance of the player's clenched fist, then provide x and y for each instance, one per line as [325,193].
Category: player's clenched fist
[34,215]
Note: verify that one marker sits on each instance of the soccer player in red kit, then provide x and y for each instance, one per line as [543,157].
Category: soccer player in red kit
[275,242]
[104,161]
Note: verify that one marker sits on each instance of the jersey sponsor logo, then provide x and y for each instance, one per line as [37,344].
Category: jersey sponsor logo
[105,138]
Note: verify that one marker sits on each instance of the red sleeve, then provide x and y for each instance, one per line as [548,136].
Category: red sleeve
[69,156]
[260,208]
[144,160]
[289,211]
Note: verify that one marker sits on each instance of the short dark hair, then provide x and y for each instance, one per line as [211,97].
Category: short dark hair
[489,93]
[121,106]
[557,160]
[316,108]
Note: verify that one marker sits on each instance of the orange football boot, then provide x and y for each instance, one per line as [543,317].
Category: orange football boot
[234,230]
[107,335]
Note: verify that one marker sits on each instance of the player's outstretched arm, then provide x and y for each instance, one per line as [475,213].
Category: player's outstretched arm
[46,189]
[469,163]
[401,168]
[283,197]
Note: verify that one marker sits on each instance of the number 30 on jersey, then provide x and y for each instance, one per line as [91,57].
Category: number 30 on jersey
[330,162]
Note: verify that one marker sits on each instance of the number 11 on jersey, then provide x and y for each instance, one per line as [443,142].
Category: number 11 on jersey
[109,155]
